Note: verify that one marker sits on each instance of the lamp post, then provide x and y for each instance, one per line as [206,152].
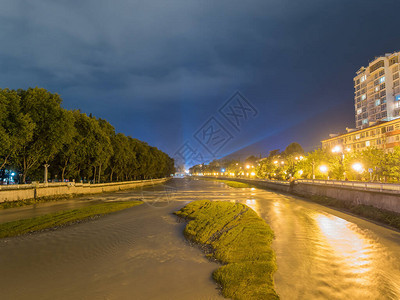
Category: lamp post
[46,166]
[339,149]
[324,169]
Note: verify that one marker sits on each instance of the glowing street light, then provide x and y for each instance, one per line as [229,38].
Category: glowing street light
[247,166]
[337,149]
[275,162]
[323,168]
[357,167]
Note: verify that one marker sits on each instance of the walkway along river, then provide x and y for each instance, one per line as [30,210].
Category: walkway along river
[140,253]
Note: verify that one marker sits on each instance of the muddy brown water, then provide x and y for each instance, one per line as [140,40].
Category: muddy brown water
[140,253]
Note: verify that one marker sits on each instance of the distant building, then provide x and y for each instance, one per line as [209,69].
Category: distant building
[377,108]
[383,135]
[377,91]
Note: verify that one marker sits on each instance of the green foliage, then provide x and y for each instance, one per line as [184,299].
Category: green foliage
[293,149]
[238,238]
[35,130]
[53,127]
[63,218]
[16,127]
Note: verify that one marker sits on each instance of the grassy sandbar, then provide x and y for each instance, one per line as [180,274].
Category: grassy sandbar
[236,236]
[62,218]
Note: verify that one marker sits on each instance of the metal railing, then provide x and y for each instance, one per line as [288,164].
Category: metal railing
[77,184]
[366,186]
[359,185]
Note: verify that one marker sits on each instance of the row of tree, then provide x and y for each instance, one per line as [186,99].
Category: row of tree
[36,131]
[370,164]
[249,166]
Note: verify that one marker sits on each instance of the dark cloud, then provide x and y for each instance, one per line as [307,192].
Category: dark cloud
[158,69]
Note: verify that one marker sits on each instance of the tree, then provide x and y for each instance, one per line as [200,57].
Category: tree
[36,130]
[293,149]
[53,128]
[275,152]
[392,164]
[16,128]
[311,163]
[121,155]
[267,168]
[251,160]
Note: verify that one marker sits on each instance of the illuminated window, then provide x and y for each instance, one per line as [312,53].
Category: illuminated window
[359,111]
[378,102]
[377,89]
[365,121]
[363,78]
[382,79]
[363,97]
[398,98]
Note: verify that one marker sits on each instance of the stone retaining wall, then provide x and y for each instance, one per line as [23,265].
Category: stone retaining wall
[70,189]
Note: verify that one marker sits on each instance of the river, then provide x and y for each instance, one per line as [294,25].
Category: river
[140,253]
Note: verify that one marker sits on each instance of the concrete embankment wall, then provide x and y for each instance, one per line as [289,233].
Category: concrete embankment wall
[22,192]
[383,200]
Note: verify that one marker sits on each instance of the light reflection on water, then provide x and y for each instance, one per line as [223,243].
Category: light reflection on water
[253,204]
[323,256]
[355,253]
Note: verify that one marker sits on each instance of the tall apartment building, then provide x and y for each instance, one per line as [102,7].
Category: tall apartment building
[377,91]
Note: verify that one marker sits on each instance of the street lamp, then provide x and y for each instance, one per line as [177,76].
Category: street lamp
[323,168]
[357,167]
[337,149]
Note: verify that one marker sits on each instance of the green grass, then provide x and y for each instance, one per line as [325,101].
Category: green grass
[19,203]
[234,184]
[237,237]
[62,218]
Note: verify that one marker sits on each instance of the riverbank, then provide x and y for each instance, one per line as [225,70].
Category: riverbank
[234,235]
[34,193]
[373,213]
[63,218]
[369,212]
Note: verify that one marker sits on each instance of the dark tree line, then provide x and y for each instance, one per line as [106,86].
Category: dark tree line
[35,130]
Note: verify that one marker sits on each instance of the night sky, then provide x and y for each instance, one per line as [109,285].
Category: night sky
[161,71]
